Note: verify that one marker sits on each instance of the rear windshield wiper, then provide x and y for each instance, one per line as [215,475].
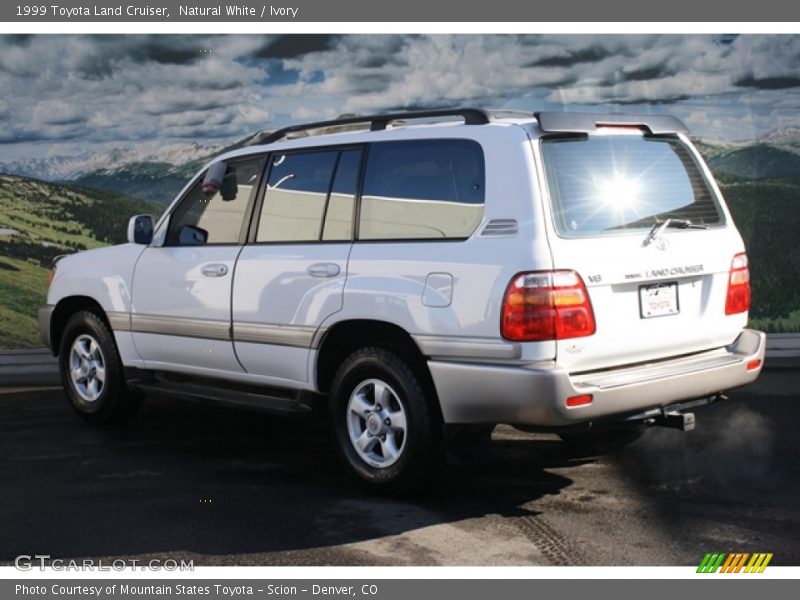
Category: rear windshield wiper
[659,227]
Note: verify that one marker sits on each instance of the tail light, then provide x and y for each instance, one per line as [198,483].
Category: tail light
[738,298]
[546,305]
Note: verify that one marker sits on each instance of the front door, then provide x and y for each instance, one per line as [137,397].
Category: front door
[181,308]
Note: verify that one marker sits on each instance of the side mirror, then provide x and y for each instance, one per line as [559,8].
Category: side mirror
[140,229]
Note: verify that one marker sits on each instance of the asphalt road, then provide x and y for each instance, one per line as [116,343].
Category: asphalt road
[224,487]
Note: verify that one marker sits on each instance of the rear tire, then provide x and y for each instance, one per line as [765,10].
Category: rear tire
[91,371]
[594,443]
[387,430]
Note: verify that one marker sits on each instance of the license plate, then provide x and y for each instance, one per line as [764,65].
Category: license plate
[658,300]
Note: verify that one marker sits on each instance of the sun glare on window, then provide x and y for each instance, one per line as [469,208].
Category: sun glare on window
[620,192]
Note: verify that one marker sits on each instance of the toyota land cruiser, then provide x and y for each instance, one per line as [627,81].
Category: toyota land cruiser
[410,273]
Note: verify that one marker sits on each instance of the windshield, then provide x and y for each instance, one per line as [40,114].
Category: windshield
[603,183]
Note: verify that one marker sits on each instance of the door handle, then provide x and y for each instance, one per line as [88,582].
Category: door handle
[214,270]
[323,270]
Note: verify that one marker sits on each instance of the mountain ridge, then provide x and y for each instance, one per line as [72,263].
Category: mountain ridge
[158,175]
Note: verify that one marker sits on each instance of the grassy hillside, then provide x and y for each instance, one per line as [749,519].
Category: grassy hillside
[767,213]
[761,183]
[756,161]
[39,221]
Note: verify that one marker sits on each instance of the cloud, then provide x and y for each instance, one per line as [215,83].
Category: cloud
[129,88]
[307,114]
[293,46]
[769,83]
[140,89]
[56,112]
[567,58]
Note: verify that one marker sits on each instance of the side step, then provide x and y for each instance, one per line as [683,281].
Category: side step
[280,401]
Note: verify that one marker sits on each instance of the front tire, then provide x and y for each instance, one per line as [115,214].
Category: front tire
[387,431]
[91,371]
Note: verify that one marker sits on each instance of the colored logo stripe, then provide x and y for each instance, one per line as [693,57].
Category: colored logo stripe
[711,562]
[735,562]
[758,563]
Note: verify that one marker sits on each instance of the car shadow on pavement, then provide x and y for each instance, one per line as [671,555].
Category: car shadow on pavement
[731,485]
[225,487]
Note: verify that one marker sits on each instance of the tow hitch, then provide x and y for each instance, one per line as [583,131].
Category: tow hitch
[676,420]
[677,416]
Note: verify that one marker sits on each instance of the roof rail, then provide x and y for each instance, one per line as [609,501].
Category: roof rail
[577,122]
[471,116]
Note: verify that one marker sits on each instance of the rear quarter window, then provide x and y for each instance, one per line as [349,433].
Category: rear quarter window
[603,184]
[421,189]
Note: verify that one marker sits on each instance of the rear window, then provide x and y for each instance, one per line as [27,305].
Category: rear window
[603,184]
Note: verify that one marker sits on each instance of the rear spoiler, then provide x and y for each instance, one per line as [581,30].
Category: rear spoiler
[574,122]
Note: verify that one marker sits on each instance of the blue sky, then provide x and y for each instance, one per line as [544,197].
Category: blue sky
[63,95]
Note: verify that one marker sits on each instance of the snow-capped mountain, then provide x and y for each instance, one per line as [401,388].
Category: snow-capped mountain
[782,136]
[153,173]
[70,168]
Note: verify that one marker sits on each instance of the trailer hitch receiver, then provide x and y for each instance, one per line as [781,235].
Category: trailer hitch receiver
[676,420]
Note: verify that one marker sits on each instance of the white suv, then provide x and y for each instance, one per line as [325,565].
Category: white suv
[572,273]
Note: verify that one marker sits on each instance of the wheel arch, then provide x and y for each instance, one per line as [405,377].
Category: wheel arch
[64,309]
[345,337]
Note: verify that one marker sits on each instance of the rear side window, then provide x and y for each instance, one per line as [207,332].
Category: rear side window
[422,189]
[603,184]
[297,192]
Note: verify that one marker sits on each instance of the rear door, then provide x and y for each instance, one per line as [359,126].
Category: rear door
[657,290]
[291,277]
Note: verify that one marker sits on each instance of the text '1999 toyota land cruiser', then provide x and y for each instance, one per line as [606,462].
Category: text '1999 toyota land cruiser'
[565,272]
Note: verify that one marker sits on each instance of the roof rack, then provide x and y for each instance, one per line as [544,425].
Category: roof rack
[576,122]
[471,116]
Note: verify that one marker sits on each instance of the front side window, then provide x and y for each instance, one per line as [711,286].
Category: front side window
[215,215]
[422,189]
[603,184]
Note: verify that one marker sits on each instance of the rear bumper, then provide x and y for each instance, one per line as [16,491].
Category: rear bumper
[45,315]
[536,395]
